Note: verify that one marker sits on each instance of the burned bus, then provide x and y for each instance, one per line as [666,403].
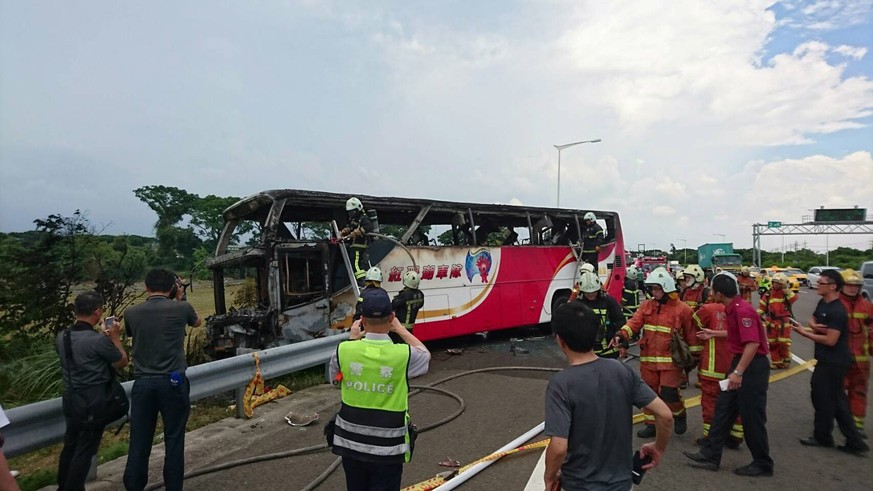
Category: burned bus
[482,266]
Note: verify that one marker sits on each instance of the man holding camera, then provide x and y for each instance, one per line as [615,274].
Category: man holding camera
[93,356]
[158,328]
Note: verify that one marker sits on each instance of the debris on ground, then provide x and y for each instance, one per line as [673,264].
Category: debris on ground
[449,462]
[454,351]
[297,418]
[518,351]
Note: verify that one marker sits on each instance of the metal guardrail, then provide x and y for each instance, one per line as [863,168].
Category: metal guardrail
[41,424]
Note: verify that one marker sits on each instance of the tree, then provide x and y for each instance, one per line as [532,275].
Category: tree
[208,220]
[170,203]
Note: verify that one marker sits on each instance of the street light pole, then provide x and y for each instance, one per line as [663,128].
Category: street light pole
[561,147]
[722,236]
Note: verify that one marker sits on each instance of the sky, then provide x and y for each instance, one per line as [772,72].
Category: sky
[713,115]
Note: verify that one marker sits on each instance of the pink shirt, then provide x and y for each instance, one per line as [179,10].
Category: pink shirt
[744,326]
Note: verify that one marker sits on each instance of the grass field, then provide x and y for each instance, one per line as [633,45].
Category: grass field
[39,469]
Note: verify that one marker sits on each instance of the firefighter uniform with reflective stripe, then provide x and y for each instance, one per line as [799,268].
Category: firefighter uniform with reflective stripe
[860,344]
[747,286]
[656,322]
[775,310]
[406,306]
[611,319]
[371,425]
[630,298]
[715,363]
[355,233]
[592,238]
[694,297]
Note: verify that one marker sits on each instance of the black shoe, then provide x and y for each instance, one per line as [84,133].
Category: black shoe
[702,442]
[753,470]
[859,449]
[812,442]
[647,432]
[700,461]
[680,425]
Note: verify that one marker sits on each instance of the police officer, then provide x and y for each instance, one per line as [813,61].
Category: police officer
[355,233]
[408,302]
[607,310]
[592,238]
[371,429]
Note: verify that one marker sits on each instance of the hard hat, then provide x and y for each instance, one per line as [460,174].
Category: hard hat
[589,216]
[745,270]
[374,274]
[679,274]
[781,278]
[589,282]
[696,271]
[852,277]
[411,279]
[632,271]
[354,204]
[661,277]
[586,267]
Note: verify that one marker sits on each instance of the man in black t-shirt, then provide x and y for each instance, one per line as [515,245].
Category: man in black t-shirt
[830,334]
[581,455]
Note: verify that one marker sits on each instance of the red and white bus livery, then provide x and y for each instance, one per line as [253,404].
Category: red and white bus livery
[483,266]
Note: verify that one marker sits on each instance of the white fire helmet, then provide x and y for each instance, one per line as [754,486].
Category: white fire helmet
[589,216]
[661,277]
[589,282]
[411,279]
[780,278]
[374,274]
[586,267]
[354,204]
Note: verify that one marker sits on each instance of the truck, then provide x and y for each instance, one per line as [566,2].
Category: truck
[719,255]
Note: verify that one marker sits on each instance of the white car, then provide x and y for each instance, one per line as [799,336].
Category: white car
[814,273]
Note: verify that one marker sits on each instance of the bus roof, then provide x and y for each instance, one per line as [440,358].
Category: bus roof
[318,205]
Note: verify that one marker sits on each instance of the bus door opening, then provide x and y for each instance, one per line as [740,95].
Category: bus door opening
[303,290]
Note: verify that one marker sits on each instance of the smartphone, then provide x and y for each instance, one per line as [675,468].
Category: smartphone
[639,462]
[109,322]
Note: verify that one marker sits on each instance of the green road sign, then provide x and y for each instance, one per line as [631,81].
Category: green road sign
[774,224]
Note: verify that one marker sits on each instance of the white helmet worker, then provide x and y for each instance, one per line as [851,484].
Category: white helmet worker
[586,267]
[696,272]
[679,274]
[632,272]
[745,271]
[374,274]
[661,277]
[589,282]
[411,279]
[354,204]
[589,216]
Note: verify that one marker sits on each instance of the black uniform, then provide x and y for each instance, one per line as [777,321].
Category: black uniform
[359,225]
[611,320]
[592,239]
[630,298]
[406,305]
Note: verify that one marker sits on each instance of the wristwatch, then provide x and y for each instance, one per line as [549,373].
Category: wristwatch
[738,374]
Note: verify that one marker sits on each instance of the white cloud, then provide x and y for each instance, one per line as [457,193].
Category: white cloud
[855,52]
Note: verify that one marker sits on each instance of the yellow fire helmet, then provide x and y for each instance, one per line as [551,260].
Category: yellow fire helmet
[780,278]
[852,277]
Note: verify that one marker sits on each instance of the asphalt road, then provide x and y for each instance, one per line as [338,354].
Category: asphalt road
[500,406]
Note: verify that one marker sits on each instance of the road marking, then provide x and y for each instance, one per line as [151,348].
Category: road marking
[801,361]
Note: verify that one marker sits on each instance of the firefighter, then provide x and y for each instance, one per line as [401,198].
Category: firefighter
[657,319]
[694,290]
[860,313]
[372,279]
[408,301]
[630,296]
[775,310]
[679,278]
[355,233]
[606,308]
[747,283]
[583,268]
[715,363]
[592,238]
[695,293]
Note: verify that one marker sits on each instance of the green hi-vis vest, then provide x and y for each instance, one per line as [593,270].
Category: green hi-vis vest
[372,422]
